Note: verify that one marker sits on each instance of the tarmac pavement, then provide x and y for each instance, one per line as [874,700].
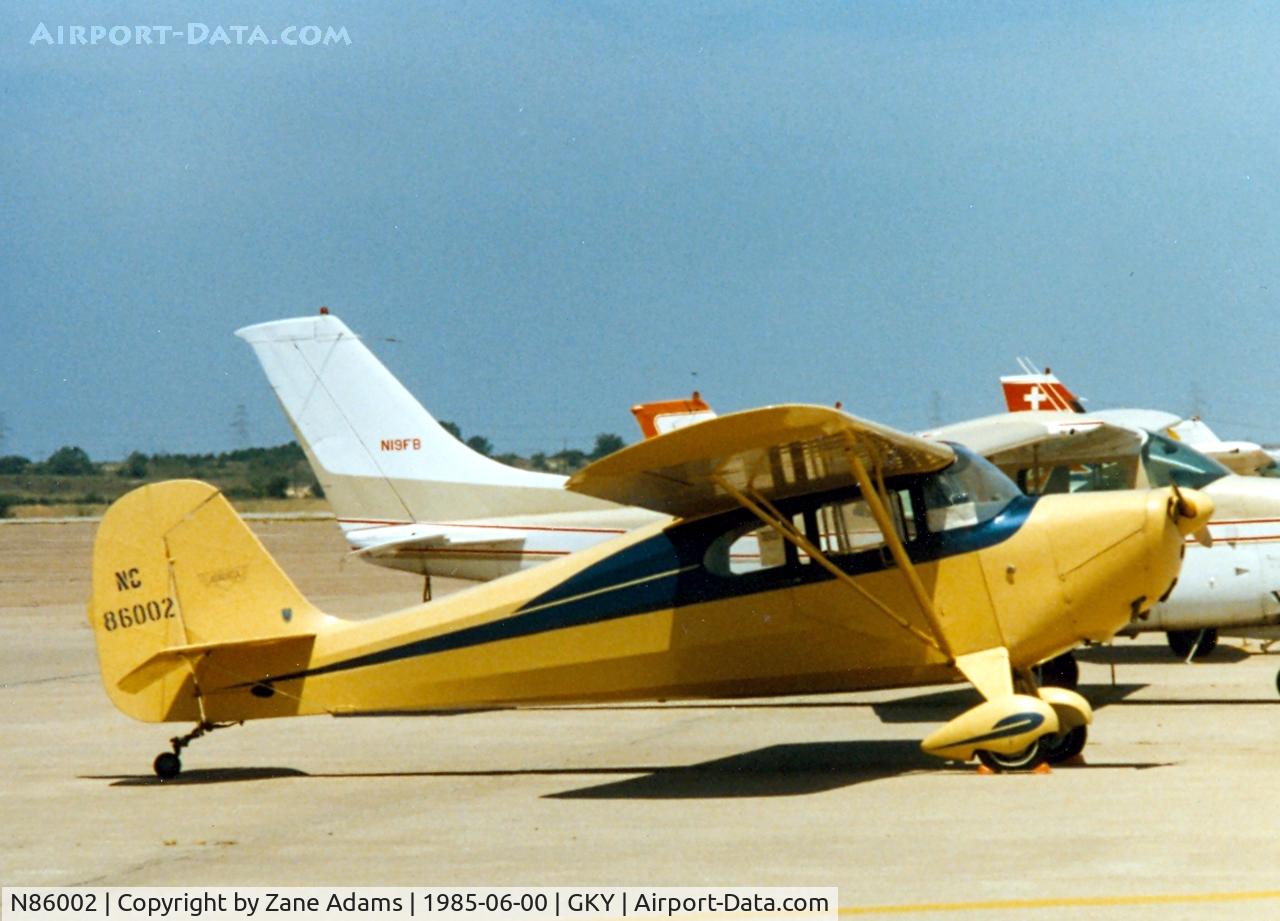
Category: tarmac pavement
[1171,816]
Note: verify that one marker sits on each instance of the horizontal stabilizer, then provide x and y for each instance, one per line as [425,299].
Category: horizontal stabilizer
[397,539]
[165,661]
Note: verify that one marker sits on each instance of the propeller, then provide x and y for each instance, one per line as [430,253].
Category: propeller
[1180,506]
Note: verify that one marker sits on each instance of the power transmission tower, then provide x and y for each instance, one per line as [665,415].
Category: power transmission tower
[240,426]
[1197,400]
[935,409]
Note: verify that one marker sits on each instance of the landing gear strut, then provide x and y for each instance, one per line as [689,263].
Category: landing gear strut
[168,764]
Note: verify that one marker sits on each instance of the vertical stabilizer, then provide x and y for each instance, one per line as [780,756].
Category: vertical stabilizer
[379,455]
[662,416]
[1031,391]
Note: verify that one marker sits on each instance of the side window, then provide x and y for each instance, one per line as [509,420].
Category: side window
[839,527]
[904,513]
[747,548]
[847,526]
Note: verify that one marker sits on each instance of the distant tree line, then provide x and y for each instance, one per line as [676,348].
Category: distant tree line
[70,476]
[565,461]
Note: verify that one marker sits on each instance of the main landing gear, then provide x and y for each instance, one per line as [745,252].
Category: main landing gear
[1052,749]
[168,764]
[1058,747]
[1193,644]
[1061,672]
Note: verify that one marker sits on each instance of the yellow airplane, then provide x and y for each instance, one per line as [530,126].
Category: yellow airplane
[879,560]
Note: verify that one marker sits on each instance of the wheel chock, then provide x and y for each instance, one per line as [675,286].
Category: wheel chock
[1042,768]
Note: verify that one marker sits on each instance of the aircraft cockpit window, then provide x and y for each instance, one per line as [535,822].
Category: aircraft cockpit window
[967,493]
[1171,462]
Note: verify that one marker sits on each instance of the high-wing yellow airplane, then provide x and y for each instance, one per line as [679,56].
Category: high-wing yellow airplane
[880,560]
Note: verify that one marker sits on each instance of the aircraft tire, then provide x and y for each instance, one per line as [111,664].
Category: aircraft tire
[1181,642]
[1060,672]
[1028,759]
[167,765]
[1065,746]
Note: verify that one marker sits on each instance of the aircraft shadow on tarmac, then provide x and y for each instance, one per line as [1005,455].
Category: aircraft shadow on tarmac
[789,770]
[200,777]
[1151,654]
[778,770]
[939,706]
[795,769]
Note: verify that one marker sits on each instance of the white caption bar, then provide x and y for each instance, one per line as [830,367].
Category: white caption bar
[224,903]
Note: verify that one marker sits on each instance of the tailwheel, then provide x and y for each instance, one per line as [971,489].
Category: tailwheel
[1060,672]
[1187,644]
[167,765]
[1065,745]
[1028,759]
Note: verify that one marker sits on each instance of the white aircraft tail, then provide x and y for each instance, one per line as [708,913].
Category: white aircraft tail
[379,455]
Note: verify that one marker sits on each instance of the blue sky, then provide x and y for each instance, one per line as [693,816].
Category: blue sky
[558,209]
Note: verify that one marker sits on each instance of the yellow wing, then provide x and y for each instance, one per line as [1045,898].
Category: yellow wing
[773,452]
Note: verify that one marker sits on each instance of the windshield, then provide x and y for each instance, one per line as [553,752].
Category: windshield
[1171,462]
[968,492]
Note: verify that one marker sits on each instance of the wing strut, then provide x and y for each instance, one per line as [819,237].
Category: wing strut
[899,553]
[765,511]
